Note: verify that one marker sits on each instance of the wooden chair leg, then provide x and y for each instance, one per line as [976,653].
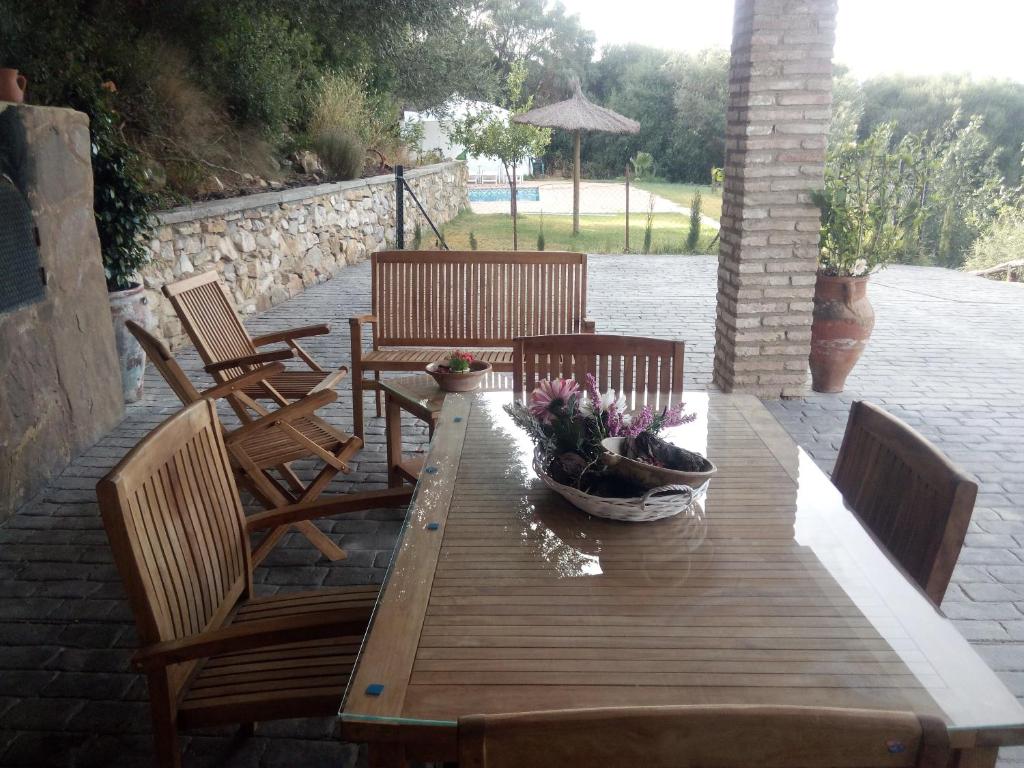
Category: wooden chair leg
[291,478]
[320,482]
[267,543]
[165,728]
[321,540]
[357,402]
[376,392]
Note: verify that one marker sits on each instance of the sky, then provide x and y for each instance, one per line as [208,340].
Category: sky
[915,37]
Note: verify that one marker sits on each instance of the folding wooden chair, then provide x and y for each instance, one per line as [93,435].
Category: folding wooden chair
[914,500]
[228,351]
[212,652]
[628,364]
[270,442]
[705,737]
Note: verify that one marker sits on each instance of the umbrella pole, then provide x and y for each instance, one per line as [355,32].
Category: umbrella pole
[576,184]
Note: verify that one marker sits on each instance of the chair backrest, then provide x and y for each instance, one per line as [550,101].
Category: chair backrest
[164,361]
[704,737]
[911,497]
[175,524]
[475,298]
[647,367]
[210,320]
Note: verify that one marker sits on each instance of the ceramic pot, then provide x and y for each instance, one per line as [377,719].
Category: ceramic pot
[130,304]
[843,320]
[12,85]
[466,381]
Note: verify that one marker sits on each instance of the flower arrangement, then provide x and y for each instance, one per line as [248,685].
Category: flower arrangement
[458,362]
[567,424]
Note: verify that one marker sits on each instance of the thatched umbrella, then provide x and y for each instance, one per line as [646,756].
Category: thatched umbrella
[578,114]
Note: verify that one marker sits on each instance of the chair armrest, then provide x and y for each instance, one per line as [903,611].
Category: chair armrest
[292,333]
[243,381]
[254,634]
[588,326]
[287,414]
[249,360]
[326,507]
[361,320]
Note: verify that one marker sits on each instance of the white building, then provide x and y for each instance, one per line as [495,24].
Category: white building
[436,138]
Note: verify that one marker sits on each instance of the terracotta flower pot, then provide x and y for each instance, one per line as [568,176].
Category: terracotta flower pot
[130,304]
[466,381]
[12,85]
[843,320]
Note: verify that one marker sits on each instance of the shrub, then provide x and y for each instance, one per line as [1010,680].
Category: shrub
[540,234]
[649,225]
[340,101]
[693,236]
[259,62]
[341,152]
[472,240]
[1002,243]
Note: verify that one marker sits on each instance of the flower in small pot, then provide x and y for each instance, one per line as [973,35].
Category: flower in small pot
[459,362]
[459,372]
[870,209]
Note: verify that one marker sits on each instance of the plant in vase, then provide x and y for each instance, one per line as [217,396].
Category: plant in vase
[870,208]
[459,372]
[567,424]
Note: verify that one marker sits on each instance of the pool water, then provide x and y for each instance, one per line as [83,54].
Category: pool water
[503,193]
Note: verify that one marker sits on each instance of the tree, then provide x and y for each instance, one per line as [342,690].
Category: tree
[491,134]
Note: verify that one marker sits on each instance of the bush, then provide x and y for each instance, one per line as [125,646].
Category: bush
[472,240]
[341,152]
[1002,243]
[693,236]
[339,101]
[260,64]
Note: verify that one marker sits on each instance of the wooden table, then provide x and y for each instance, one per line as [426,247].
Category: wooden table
[420,396]
[503,598]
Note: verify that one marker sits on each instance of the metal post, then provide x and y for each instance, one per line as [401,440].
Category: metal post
[627,208]
[399,208]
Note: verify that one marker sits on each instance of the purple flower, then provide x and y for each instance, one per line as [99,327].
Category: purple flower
[641,422]
[674,416]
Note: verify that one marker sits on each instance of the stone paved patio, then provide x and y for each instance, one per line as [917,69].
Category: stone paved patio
[947,356]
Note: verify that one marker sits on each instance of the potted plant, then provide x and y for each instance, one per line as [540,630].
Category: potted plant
[459,372]
[122,208]
[870,206]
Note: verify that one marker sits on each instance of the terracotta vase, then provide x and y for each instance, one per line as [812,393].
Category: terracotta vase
[130,304]
[843,320]
[12,85]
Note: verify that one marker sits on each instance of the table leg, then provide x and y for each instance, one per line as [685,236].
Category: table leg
[393,431]
[386,755]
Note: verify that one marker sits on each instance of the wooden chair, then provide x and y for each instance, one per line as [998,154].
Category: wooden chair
[212,652]
[228,351]
[270,442]
[648,367]
[911,497]
[704,737]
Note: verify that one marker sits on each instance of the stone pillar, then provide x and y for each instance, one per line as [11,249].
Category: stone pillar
[780,92]
[60,380]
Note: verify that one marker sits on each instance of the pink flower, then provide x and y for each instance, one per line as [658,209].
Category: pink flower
[640,422]
[551,397]
[674,416]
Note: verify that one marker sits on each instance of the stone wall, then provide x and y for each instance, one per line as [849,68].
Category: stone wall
[60,382]
[780,92]
[270,247]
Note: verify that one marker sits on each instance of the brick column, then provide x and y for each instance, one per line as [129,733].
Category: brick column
[780,92]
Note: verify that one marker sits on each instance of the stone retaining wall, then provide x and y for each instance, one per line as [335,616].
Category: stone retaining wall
[270,247]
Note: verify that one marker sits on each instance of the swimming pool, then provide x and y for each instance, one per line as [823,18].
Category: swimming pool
[493,194]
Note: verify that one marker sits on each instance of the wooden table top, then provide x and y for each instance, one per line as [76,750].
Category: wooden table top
[502,597]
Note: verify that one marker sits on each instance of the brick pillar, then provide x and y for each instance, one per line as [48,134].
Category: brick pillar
[780,92]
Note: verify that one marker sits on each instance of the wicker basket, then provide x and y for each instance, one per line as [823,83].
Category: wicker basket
[657,503]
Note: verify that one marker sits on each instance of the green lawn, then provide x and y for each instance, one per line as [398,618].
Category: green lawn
[682,194]
[598,234]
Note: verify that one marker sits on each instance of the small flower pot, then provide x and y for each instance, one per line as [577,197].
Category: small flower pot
[842,324]
[130,304]
[462,381]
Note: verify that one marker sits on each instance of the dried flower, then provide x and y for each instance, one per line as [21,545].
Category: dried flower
[598,403]
[550,398]
[674,416]
[640,422]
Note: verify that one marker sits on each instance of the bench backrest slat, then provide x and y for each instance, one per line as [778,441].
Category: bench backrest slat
[476,298]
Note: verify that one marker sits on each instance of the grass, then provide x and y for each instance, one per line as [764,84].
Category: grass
[682,194]
[598,234]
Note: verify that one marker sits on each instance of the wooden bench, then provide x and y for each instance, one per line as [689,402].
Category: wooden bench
[426,303]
